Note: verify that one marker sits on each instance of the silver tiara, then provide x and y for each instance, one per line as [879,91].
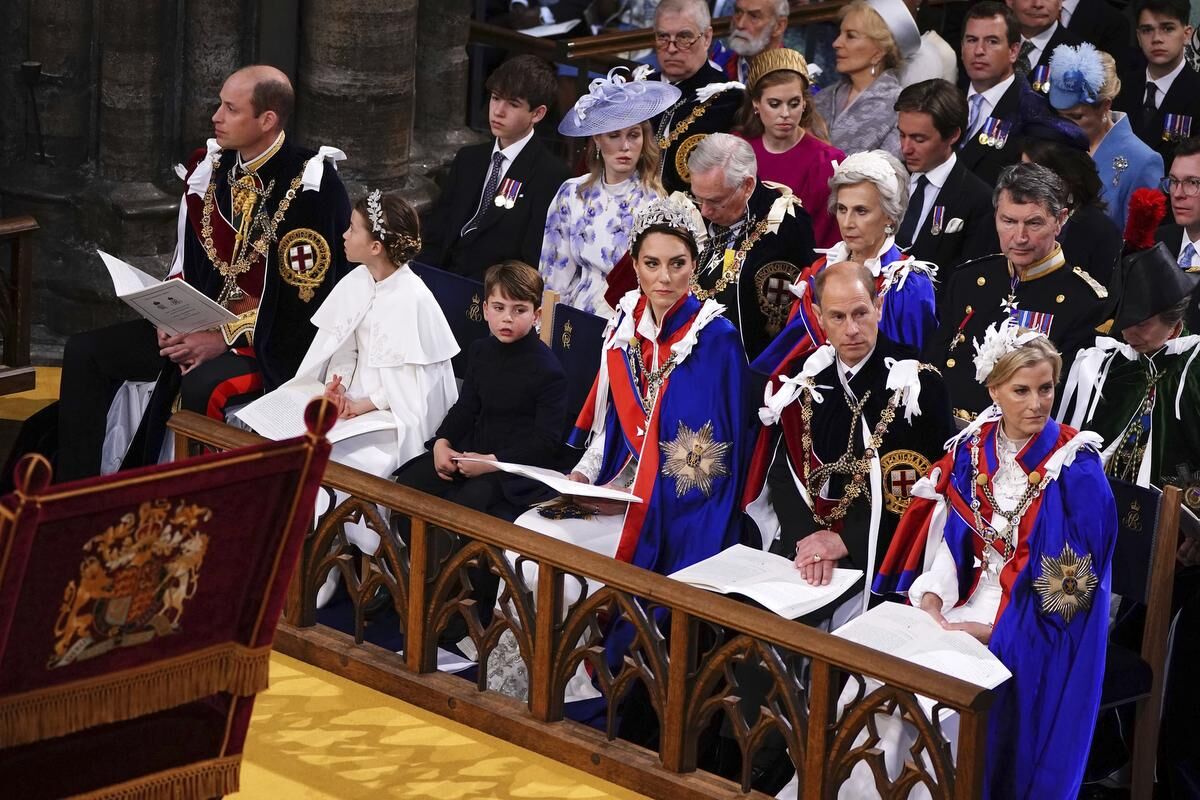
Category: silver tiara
[676,212]
[375,212]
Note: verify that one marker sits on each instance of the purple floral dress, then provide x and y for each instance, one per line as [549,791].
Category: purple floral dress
[587,232]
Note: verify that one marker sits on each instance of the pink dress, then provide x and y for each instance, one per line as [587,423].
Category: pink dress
[806,168]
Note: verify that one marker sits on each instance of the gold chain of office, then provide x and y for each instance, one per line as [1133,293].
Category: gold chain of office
[269,227]
[846,463]
[652,380]
[730,271]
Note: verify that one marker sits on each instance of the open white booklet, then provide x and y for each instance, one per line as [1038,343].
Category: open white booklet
[174,306]
[767,579]
[280,414]
[911,634]
[559,482]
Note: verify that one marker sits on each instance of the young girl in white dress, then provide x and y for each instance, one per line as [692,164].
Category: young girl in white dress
[383,348]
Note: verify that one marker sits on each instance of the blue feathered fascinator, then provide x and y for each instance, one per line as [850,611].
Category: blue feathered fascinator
[1076,75]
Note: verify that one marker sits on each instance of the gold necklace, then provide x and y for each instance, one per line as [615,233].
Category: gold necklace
[1007,540]
[262,246]
[730,271]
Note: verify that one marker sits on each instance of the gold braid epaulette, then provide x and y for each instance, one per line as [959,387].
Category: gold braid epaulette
[731,271]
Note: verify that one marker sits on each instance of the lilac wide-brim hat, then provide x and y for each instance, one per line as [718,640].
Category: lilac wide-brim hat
[617,102]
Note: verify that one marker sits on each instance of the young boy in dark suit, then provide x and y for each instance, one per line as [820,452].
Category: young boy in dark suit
[493,205]
[512,407]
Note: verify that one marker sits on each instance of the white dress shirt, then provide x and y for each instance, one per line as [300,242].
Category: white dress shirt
[937,179]
[1039,44]
[510,154]
[846,373]
[1068,11]
[990,98]
[1163,85]
[1183,243]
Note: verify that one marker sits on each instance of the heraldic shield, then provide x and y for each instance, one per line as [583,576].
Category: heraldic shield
[137,612]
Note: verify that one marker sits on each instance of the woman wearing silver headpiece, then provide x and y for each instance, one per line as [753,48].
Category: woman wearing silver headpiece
[589,222]
[667,421]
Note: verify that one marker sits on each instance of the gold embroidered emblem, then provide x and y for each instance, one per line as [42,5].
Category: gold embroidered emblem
[475,310]
[566,335]
[1133,518]
[1066,584]
[562,508]
[133,582]
[303,260]
[901,471]
[694,460]
[771,287]
[683,153]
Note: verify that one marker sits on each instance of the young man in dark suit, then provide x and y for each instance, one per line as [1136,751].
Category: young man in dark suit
[949,218]
[998,104]
[1183,237]
[1168,113]
[493,206]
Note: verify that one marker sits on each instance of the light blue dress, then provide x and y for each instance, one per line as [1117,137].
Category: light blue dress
[1125,164]
[587,232]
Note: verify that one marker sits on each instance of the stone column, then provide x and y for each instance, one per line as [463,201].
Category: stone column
[213,50]
[60,39]
[132,67]
[443,27]
[354,87]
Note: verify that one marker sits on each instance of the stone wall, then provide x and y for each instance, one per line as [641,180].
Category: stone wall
[126,91]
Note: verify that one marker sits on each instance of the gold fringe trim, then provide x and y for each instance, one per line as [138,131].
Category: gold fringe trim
[60,710]
[213,778]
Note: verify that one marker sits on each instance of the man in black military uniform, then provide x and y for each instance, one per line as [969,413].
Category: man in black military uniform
[262,225]
[1030,281]
[683,37]
[759,239]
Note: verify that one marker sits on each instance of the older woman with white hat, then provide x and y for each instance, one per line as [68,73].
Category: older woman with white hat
[589,222]
[876,36]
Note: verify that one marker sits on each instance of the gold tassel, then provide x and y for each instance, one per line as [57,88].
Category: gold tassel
[60,710]
[213,778]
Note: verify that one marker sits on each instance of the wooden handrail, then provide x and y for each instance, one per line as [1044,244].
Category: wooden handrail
[752,621]
[429,585]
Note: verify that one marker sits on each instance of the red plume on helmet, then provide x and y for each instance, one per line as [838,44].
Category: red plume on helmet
[1147,208]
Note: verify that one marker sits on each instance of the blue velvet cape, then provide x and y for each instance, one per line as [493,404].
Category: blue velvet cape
[1040,727]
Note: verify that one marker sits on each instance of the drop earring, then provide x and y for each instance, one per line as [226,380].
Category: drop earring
[889,229]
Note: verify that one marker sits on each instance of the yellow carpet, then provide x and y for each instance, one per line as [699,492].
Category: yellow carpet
[316,736]
[23,405]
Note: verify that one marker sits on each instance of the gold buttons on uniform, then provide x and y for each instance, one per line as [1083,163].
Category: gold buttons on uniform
[1060,298]
[980,280]
[950,362]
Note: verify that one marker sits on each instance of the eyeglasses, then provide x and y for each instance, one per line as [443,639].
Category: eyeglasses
[683,41]
[1190,187]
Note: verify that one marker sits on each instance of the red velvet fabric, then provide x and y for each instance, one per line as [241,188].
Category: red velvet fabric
[178,560]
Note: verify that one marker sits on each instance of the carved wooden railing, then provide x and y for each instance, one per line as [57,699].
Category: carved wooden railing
[690,651]
[16,304]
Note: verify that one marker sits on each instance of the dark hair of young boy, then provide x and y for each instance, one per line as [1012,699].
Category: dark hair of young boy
[516,280]
[527,78]
[1180,10]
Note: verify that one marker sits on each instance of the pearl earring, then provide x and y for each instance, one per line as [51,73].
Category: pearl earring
[872,70]
[889,229]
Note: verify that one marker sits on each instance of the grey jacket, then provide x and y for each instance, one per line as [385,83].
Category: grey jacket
[869,123]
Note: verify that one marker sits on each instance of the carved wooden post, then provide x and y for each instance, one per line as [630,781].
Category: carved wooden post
[417,653]
[548,610]
[972,741]
[678,746]
[820,714]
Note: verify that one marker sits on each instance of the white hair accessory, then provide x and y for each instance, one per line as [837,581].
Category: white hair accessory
[872,164]
[999,341]
[375,212]
[676,211]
